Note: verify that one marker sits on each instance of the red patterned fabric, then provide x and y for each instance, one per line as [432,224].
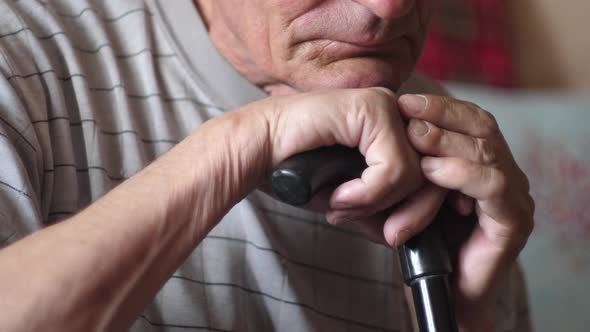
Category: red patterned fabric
[469,42]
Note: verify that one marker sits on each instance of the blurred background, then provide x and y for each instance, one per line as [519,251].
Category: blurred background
[527,62]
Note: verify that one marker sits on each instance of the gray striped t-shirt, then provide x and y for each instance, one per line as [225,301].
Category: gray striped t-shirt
[93,91]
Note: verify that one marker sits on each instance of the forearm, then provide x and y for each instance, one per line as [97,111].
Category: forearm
[97,270]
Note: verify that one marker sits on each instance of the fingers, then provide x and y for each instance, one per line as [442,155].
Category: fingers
[396,225]
[365,118]
[445,127]
[413,215]
[449,113]
[380,186]
[472,179]
[497,197]
[474,157]
[393,167]
[466,153]
[431,140]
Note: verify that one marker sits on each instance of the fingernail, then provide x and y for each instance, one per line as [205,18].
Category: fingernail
[430,165]
[401,237]
[414,103]
[348,195]
[419,127]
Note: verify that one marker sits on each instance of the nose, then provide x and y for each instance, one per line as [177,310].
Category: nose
[388,9]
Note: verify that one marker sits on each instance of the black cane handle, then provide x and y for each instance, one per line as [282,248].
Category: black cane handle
[424,259]
[296,180]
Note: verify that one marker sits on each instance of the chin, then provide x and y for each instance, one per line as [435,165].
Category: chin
[355,73]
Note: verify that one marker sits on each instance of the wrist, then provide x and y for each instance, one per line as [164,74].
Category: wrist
[219,163]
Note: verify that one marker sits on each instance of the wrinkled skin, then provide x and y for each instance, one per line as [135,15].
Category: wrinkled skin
[417,149]
[317,44]
[292,46]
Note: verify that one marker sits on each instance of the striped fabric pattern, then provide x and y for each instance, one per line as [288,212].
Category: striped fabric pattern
[93,91]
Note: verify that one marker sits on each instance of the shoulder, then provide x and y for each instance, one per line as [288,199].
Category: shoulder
[419,83]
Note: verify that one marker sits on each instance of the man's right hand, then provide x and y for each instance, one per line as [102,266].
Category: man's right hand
[142,230]
[363,118]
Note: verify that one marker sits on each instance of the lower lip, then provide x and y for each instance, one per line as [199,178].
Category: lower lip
[345,49]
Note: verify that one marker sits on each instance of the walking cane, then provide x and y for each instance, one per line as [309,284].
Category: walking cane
[424,259]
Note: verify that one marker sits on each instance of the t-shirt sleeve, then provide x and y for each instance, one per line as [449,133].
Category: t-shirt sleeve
[21,155]
[21,169]
[29,94]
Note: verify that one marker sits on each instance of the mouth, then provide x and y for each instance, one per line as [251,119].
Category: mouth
[337,50]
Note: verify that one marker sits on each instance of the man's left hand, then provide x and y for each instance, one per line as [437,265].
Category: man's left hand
[465,152]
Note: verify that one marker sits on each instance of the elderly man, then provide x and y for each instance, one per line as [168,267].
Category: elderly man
[134,134]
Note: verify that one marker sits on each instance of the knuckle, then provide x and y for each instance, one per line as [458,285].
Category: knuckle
[497,182]
[361,100]
[375,96]
[451,103]
[395,174]
[382,92]
[531,220]
[525,228]
[530,226]
[360,114]
[371,101]
[525,180]
[529,207]
[488,124]
[407,175]
[434,137]
[532,204]
[446,104]
[362,110]
[486,152]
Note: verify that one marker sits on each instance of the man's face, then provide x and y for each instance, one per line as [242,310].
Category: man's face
[315,44]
